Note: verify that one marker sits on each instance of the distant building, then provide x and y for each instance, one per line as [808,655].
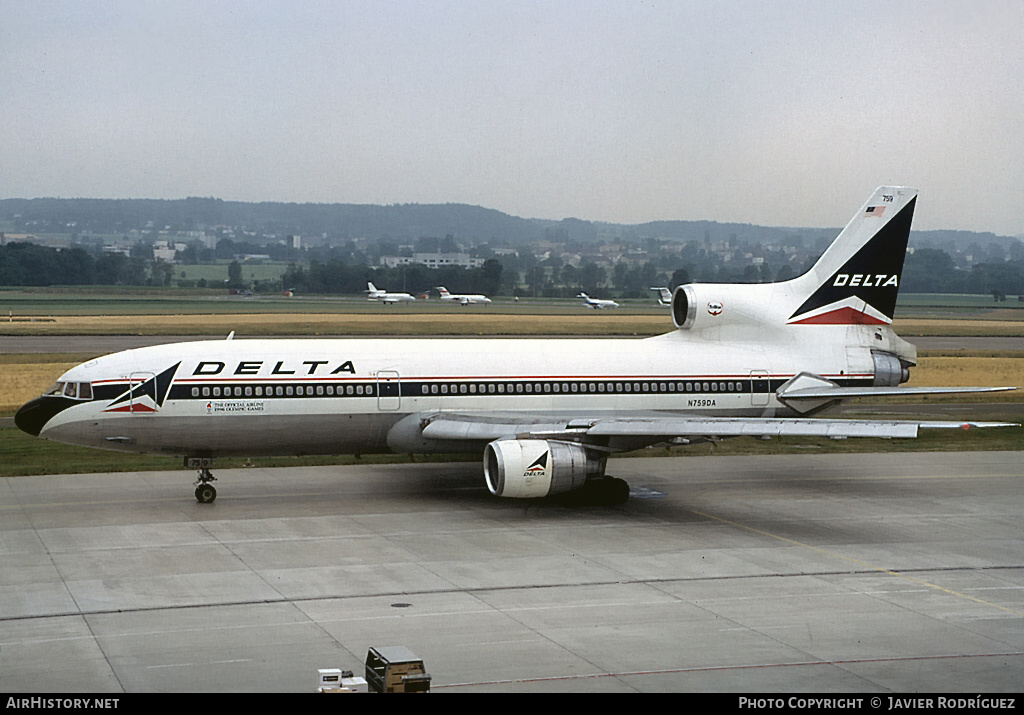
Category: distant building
[166,251]
[433,260]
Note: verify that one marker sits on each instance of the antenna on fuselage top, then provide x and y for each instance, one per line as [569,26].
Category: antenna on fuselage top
[230,335]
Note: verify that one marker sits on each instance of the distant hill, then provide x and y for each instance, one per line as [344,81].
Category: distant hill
[336,220]
[466,223]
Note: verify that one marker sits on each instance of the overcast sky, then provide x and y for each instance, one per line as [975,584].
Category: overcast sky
[778,113]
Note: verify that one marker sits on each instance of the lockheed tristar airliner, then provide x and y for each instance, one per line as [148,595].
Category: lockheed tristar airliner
[745,360]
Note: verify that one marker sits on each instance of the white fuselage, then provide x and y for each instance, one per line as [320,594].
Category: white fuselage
[302,396]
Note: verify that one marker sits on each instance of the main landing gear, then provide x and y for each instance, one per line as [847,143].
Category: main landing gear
[205,492]
[599,491]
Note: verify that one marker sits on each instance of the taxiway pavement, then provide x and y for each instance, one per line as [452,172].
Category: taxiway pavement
[855,573]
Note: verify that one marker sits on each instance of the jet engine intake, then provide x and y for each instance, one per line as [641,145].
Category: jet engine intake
[533,468]
[684,307]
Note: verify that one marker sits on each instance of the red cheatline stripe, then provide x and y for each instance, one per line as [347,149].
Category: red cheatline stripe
[253,379]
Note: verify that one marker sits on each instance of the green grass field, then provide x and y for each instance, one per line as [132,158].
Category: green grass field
[955,300]
[214,273]
[163,311]
[22,303]
[123,300]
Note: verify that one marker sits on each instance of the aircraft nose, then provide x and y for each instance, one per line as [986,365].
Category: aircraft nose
[31,417]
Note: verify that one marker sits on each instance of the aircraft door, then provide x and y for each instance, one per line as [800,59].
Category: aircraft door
[142,393]
[389,390]
[760,388]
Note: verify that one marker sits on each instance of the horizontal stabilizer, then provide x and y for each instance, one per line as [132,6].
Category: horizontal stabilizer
[965,425]
[839,393]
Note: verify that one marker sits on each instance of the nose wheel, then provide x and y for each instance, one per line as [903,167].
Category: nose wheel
[205,492]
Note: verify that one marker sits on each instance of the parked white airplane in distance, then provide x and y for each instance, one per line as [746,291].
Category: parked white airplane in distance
[597,303]
[382,296]
[759,360]
[462,299]
[664,296]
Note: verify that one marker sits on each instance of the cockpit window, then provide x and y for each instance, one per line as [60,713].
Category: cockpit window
[75,390]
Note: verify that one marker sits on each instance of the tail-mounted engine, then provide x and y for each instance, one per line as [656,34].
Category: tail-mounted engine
[684,307]
[715,305]
[889,369]
[532,468]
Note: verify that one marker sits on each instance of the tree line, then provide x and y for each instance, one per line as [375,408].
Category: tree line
[926,270]
[29,264]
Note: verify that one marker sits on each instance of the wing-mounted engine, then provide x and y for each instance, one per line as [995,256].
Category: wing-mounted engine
[533,468]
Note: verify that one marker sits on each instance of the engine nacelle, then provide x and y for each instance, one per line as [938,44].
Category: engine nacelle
[532,468]
[889,369]
[699,306]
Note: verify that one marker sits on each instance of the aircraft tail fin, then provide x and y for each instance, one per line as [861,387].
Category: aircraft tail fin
[857,278]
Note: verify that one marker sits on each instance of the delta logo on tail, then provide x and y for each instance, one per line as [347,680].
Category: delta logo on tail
[145,396]
[863,290]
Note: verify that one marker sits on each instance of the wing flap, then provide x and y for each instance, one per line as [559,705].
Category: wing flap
[458,427]
[663,428]
[738,427]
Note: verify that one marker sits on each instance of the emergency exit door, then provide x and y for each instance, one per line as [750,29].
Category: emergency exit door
[389,390]
[760,388]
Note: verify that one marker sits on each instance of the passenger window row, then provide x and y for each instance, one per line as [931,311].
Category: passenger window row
[410,388]
[284,391]
[502,388]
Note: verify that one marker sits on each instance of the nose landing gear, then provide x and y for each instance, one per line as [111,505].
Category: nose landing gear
[205,492]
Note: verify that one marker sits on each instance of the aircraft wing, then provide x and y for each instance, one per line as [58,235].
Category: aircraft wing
[669,427]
